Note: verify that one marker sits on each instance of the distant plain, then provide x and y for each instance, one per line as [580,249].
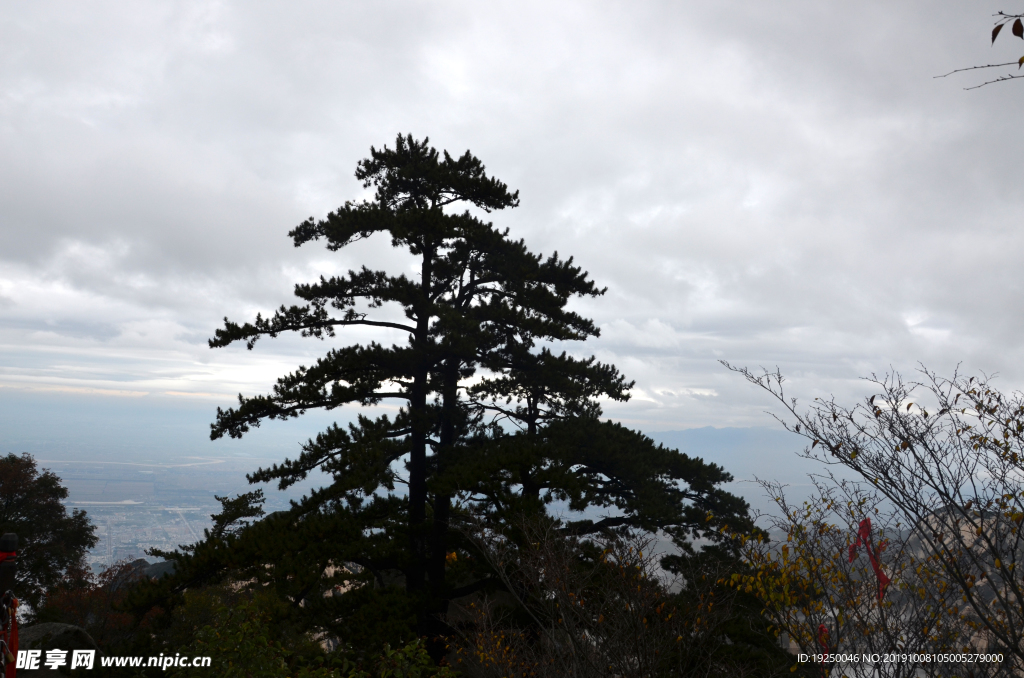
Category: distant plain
[146,471]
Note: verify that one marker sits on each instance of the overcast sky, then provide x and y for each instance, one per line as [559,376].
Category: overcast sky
[771,183]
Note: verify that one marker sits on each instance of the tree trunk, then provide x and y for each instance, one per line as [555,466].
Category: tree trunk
[418,437]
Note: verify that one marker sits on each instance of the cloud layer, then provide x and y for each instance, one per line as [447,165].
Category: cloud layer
[772,184]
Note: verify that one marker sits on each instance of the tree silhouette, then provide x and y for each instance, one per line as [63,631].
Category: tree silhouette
[491,422]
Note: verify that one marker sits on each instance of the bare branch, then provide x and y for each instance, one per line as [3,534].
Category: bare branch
[974,68]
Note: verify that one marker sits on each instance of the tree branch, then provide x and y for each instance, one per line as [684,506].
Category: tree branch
[974,68]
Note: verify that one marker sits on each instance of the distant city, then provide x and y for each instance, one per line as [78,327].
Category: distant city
[138,506]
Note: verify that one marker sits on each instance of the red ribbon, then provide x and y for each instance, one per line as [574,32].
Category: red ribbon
[4,555]
[864,537]
[823,637]
[823,642]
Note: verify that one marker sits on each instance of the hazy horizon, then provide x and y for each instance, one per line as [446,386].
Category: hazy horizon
[161,433]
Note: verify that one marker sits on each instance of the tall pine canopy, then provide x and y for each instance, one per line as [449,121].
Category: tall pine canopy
[493,421]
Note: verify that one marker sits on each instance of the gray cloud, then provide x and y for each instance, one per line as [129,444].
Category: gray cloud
[772,184]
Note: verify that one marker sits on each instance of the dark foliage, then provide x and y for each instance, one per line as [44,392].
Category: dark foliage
[600,605]
[97,605]
[51,542]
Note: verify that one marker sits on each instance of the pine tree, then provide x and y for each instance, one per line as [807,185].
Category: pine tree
[491,422]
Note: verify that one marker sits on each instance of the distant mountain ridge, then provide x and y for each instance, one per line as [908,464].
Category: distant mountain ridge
[746,453]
